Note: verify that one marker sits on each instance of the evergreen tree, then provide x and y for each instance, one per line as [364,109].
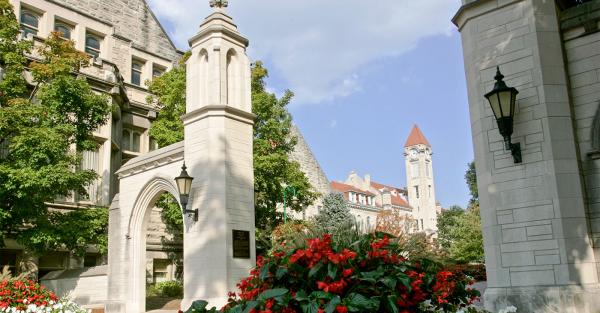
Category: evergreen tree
[335,212]
[471,178]
[43,129]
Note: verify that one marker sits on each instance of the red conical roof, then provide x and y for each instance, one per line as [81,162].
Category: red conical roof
[416,137]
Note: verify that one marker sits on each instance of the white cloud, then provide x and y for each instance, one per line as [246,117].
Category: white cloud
[319,46]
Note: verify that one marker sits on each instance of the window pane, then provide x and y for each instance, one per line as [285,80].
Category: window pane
[92,42]
[137,66]
[136,77]
[93,53]
[157,73]
[135,146]
[64,30]
[29,19]
[126,140]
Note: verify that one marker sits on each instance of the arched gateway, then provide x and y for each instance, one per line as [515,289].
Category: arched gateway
[218,152]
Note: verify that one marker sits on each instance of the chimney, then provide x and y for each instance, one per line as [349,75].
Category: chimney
[386,199]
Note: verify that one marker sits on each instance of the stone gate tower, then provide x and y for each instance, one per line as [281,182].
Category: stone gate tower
[419,180]
[540,220]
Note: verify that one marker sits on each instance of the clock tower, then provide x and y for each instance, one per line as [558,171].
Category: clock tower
[419,180]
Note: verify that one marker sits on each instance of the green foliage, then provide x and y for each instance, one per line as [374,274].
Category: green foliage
[446,222]
[471,178]
[170,289]
[12,56]
[272,140]
[467,239]
[171,214]
[168,91]
[273,143]
[334,213]
[369,274]
[37,161]
[73,231]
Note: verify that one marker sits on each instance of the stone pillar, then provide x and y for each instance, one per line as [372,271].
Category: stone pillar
[218,152]
[538,252]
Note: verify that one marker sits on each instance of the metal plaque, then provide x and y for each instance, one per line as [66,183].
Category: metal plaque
[241,244]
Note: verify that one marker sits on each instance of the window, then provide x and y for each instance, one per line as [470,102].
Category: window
[157,71]
[92,45]
[417,191]
[131,140]
[29,23]
[415,170]
[91,160]
[430,190]
[63,29]
[90,260]
[136,73]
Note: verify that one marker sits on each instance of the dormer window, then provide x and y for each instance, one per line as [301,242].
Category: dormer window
[29,23]
[136,72]
[92,45]
[63,29]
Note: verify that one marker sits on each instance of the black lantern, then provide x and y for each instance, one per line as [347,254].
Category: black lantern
[184,185]
[502,99]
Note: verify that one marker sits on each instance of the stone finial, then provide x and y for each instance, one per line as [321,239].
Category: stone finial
[218,4]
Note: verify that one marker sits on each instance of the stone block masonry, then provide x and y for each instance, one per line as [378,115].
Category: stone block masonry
[537,215]
[132,19]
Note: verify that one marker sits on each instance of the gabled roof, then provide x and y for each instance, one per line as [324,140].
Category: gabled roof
[416,137]
[341,187]
[396,199]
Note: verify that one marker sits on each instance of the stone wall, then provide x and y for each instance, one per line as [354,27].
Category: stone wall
[539,255]
[580,27]
[310,166]
[132,19]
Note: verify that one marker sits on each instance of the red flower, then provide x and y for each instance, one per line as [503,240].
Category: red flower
[341,309]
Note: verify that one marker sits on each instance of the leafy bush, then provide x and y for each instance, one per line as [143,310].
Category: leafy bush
[368,275]
[23,295]
[170,289]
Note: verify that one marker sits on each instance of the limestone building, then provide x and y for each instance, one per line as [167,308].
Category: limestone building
[366,198]
[540,216]
[128,46]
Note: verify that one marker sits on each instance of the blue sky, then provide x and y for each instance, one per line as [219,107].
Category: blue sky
[363,72]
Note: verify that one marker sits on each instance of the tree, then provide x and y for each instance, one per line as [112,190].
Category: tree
[467,237]
[471,178]
[446,222]
[396,223]
[43,130]
[273,170]
[335,212]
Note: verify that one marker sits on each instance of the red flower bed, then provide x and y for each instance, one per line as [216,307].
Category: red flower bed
[20,293]
[371,275]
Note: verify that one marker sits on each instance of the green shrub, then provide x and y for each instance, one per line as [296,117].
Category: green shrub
[170,289]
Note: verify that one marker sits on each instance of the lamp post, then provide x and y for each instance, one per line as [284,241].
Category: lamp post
[184,185]
[502,99]
[287,192]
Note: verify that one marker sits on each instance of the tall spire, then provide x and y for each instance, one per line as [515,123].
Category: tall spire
[416,137]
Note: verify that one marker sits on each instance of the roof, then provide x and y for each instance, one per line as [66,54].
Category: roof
[396,199]
[341,187]
[416,137]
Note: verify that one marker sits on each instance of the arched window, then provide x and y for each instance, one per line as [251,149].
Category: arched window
[63,29]
[92,45]
[29,23]
[232,79]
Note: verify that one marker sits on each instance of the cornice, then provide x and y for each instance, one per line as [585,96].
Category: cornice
[219,110]
[477,8]
[154,159]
